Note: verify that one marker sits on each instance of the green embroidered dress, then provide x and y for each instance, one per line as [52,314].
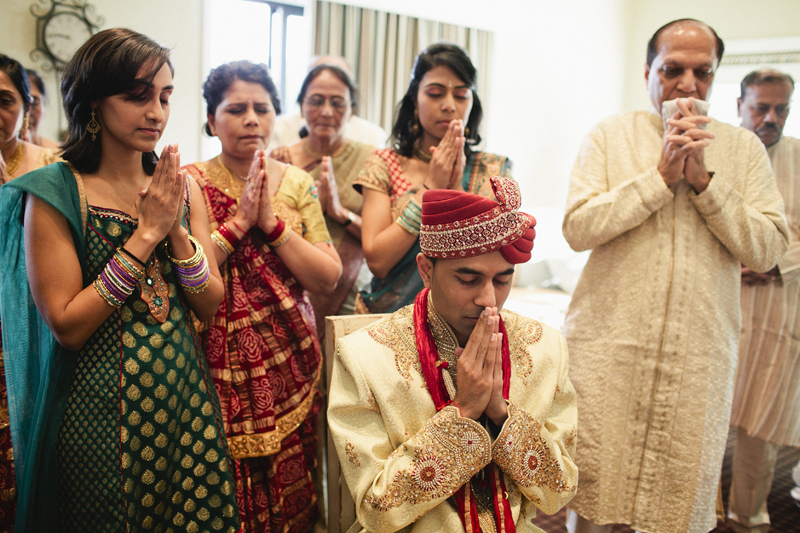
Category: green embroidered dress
[138,443]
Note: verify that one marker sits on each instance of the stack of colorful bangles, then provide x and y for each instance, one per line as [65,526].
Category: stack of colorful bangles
[193,273]
[117,280]
[279,235]
[410,218]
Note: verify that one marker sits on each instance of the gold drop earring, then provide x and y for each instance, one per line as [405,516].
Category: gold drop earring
[93,127]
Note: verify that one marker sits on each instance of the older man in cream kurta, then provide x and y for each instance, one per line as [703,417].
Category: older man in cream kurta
[766,399]
[415,453]
[653,325]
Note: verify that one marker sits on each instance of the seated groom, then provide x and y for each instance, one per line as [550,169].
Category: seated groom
[452,414]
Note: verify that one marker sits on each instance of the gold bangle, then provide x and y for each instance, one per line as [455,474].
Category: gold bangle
[287,232]
[222,242]
[192,261]
[105,294]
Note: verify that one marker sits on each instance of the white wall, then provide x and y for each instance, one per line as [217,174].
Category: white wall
[732,20]
[174,23]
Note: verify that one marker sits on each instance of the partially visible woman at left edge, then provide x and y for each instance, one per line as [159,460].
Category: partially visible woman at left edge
[115,421]
[16,158]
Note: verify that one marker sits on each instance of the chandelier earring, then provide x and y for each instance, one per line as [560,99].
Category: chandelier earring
[24,132]
[93,127]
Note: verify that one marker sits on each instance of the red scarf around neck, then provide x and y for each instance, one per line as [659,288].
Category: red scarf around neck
[428,356]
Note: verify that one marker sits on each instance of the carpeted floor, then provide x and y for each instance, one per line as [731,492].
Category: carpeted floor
[783,512]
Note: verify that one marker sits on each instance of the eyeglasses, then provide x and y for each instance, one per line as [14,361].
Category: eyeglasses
[671,72]
[338,103]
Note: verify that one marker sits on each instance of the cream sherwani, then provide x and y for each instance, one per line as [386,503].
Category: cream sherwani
[403,461]
[766,401]
[653,325]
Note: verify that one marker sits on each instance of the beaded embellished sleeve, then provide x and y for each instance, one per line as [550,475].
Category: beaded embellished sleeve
[393,485]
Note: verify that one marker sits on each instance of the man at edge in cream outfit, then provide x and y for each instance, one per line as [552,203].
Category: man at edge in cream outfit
[671,209]
[767,388]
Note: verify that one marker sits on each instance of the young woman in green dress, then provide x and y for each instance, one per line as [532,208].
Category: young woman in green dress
[115,419]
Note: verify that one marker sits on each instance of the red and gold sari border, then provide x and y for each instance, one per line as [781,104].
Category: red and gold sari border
[264,444]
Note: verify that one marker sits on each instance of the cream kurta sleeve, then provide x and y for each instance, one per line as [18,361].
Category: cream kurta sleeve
[746,222]
[598,209]
[744,218]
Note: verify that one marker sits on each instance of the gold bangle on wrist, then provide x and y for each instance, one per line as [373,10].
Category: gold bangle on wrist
[190,262]
[222,242]
[287,232]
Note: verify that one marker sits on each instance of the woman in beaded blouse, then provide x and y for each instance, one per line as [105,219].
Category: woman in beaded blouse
[16,158]
[271,245]
[432,138]
[115,419]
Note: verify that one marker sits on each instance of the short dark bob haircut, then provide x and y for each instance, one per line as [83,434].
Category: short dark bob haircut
[221,78]
[765,75]
[340,74]
[652,44]
[16,73]
[457,60]
[107,64]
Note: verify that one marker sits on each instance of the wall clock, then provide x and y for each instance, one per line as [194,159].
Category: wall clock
[62,26]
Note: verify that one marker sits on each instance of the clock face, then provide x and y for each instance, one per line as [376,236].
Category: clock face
[64,33]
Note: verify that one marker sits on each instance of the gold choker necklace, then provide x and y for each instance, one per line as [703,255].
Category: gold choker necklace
[421,154]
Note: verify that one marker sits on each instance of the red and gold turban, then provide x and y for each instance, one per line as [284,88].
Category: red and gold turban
[461,224]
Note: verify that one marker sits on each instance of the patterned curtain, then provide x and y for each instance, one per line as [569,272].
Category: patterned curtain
[381,47]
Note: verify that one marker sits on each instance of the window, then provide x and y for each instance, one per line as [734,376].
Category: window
[277,34]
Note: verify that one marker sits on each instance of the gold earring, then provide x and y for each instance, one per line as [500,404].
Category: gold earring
[93,127]
[415,126]
[23,133]
[466,132]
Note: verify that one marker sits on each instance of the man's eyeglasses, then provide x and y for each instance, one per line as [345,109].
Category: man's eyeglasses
[702,74]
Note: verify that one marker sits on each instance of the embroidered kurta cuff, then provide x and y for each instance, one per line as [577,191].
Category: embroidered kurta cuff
[713,198]
[434,463]
[528,455]
[654,192]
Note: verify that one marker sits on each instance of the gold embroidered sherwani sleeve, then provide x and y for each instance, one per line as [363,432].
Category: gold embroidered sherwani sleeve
[539,454]
[752,223]
[395,483]
[598,209]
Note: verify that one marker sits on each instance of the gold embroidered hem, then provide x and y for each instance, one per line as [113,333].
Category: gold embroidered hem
[262,444]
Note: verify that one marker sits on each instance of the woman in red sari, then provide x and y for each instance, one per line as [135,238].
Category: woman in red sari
[272,246]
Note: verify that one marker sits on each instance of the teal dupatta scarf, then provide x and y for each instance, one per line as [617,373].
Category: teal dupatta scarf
[38,370]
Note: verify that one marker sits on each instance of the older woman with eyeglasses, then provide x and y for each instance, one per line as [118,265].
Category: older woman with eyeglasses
[327,98]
